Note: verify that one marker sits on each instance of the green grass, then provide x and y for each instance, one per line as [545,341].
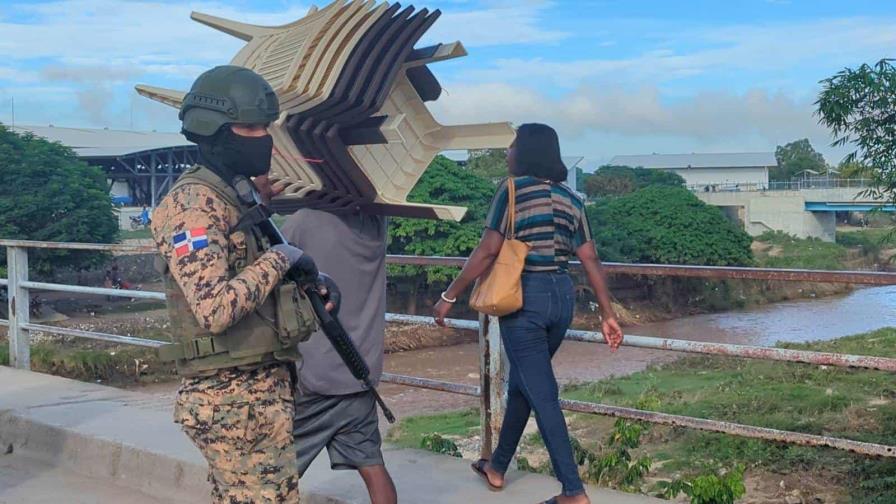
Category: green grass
[849,403]
[129,307]
[869,241]
[111,363]
[411,430]
[128,234]
[794,252]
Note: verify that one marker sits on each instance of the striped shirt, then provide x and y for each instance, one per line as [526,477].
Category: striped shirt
[549,216]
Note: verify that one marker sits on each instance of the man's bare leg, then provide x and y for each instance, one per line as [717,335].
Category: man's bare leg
[379,484]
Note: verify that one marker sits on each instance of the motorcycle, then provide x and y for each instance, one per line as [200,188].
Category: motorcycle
[136,222]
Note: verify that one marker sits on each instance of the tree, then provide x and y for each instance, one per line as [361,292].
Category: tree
[796,157]
[666,225]
[616,180]
[443,182]
[855,169]
[490,164]
[859,106]
[581,179]
[47,194]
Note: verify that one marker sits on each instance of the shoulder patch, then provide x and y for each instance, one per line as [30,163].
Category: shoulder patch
[190,240]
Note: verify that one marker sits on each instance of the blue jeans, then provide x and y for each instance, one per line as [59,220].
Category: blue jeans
[531,336]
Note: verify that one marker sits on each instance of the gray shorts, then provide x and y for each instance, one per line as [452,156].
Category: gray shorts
[347,425]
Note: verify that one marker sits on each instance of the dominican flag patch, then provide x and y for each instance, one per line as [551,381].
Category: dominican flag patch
[188,241]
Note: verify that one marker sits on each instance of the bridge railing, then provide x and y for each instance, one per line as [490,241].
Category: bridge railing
[492,361]
[793,185]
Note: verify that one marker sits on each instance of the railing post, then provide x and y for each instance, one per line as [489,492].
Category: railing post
[493,383]
[19,307]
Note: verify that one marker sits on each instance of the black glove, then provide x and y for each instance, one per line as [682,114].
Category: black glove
[305,268]
[332,294]
[301,265]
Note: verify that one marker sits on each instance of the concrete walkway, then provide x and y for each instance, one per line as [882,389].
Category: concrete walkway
[51,426]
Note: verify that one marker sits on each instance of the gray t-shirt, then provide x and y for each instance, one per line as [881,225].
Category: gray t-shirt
[352,250]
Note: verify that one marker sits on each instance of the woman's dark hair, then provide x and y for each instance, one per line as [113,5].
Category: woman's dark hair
[537,153]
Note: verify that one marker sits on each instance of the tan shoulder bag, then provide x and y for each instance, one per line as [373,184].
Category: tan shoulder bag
[499,290]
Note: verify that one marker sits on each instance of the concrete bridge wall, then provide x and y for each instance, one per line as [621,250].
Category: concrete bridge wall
[785,211]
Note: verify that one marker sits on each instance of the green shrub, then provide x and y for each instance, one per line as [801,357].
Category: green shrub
[64,200]
[666,225]
[610,180]
[709,488]
[437,444]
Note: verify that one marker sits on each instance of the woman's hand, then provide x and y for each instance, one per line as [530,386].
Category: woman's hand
[440,310]
[612,333]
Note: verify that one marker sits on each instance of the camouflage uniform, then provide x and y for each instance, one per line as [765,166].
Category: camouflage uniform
[239,418]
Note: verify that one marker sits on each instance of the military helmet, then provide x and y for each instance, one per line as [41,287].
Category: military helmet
[227,94]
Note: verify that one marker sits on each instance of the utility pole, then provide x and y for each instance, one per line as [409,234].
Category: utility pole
[13,99]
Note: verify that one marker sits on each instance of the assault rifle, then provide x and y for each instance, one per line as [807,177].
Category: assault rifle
[260,216]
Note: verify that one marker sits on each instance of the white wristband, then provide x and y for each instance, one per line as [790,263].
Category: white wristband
[447,300]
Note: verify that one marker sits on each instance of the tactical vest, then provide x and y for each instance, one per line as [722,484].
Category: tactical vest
[268,334]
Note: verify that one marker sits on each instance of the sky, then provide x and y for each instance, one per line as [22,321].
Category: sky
[613,77]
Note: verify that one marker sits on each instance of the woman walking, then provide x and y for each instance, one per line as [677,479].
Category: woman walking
[550,217]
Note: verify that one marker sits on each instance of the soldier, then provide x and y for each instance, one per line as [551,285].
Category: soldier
[235,326]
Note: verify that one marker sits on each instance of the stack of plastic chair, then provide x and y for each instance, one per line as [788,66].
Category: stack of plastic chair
[354,131]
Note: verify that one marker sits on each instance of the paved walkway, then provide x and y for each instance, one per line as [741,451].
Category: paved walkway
[78,434]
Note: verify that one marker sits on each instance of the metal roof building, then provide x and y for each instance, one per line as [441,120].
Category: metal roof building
[148,163]
[710,170]
[694,160]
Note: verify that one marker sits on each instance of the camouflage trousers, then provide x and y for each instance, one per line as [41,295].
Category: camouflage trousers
[241,421]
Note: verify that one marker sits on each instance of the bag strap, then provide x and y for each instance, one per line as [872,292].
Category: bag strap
[511,209]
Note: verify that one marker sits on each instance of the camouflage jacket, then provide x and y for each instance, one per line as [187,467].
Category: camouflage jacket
[192,228]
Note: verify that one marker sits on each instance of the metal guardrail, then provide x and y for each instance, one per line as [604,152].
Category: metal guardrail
[493,365]
[793,185]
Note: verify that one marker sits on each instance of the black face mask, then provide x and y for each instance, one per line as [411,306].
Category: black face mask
[240,155]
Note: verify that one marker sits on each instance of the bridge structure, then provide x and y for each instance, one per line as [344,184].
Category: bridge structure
[805,210]
[137,445]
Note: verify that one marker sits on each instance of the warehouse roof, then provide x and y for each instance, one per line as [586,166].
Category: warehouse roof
[97,143]
[716,160]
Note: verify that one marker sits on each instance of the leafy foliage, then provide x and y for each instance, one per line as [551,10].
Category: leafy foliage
[490,164]
[444,182]
[793,252]
[666,225]
[437,444]
[796,157]
[47,194]
[710,488]
[859,105]
[854,169]
[615,467]
[616,180]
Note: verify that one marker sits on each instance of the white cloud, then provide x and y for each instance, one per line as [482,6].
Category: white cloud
[759,48]
[503,24]
[17,75]
[744,121]
[101,33]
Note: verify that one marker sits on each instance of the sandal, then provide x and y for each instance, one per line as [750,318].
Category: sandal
[552,500]
[479,468]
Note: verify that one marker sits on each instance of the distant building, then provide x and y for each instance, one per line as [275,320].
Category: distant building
[724,171]
[140,166]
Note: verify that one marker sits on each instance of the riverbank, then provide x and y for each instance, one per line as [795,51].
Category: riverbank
[855,404]
[669,298]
